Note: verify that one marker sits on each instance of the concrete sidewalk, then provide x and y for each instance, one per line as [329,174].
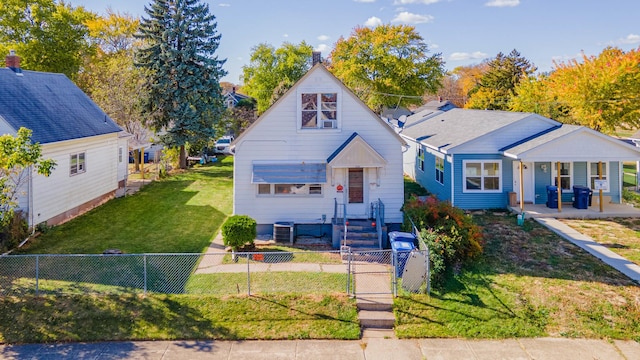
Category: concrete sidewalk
[369,349]
[585,242]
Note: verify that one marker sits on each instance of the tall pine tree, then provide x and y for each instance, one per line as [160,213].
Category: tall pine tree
[185,97]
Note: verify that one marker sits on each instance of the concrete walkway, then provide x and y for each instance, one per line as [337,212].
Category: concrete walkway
[585,242]
[367,348]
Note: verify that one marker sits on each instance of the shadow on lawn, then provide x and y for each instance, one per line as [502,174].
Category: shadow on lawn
[105,318]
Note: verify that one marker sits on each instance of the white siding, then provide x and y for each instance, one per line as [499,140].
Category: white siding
[276,137]
[61,192]
[507,135]
[123,170]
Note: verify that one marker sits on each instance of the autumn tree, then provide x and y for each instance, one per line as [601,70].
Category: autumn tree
[48,35]
[387,66]
[497,85]
[18,155]
[534,95]
[272,69]
[600,92]
[184,95]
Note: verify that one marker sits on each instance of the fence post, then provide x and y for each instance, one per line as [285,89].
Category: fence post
[37,274]
[428,261]
[349,272]
[248,276]
[394,261]
[144,262]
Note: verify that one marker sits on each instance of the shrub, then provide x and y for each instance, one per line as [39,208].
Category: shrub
[16,231]
[238,231]
[452,236]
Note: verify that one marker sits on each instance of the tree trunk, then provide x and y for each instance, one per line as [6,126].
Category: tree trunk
[183,157]
[136,159]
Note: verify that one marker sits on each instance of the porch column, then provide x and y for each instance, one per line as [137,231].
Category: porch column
[600,178]
[559,186]
[521,187]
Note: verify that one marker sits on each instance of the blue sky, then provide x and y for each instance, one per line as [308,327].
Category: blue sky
[464,31]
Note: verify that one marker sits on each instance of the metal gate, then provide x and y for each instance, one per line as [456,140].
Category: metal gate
[370,272]
[374,272]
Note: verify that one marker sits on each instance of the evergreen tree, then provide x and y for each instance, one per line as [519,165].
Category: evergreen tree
[185,97]
[497,85]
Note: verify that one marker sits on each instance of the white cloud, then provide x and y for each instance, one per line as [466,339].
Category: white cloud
[365,1]
[434,46]
[459,56]
[502,3]
[285,35]
[323,48]
[323,38]
[630,39]
[224,5]
[373,22]
[406,17]
[404,2]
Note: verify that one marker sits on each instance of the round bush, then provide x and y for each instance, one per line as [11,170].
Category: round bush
[238,231]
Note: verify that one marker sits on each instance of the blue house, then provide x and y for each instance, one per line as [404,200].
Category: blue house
[483,159]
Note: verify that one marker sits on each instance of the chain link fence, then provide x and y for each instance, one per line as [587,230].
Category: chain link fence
[351,272]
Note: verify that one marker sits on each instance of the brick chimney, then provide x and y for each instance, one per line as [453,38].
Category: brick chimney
[316,58]
[12,60]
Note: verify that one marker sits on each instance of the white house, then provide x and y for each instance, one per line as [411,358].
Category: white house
[89,148]
[316,157]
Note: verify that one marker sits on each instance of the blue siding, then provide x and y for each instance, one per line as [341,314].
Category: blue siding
[481,200]
[542,180]
[427,178]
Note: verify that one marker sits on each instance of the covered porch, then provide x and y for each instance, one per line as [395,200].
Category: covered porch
[553,172]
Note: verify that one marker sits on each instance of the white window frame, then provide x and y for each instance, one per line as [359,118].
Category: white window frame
[605,176]
[420,158]
[320,123]
[482,176]
[439,170]
[554,174]
[80,165]
[305,190]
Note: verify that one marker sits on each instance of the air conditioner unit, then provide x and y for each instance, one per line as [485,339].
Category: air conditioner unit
[283,231]
[329,124]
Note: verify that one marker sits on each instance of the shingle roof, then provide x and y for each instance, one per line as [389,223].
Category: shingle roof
[52,106]
[451,128]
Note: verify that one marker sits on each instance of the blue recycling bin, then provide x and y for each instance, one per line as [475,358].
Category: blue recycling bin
[552,197]
[581,197]
[403,236]
[401,251]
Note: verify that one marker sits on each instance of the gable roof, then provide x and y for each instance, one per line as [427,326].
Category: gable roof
[572,143]
[355,152]
[52,106]
[316,68]
[446,130]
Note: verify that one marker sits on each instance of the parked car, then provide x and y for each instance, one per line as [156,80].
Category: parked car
[223,145]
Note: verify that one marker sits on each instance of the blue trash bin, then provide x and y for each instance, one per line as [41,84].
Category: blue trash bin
[552,197]
[401,251]
[581,196]
[402,236]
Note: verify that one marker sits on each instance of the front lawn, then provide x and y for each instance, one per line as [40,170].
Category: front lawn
[528,283]
[620,235]
[28,319]
[180,214]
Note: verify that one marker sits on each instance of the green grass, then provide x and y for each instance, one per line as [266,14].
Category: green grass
[528,283]
[180,214]
[267,283]
[412,188]
[28,319]
[286,254]
[629,174]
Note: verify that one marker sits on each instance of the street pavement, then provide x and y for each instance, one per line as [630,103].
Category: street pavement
[365,349]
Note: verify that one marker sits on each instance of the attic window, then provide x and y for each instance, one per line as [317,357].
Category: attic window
[319,110]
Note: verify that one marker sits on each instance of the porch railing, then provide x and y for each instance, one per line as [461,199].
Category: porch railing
[340,218]
[378,207]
